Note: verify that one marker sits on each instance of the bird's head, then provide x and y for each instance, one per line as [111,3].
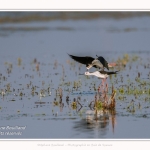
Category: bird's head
[87,73]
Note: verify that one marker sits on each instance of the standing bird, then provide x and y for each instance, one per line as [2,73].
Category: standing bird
[98,62]
[100,74]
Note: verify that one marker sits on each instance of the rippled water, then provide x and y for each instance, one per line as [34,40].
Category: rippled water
[33,54]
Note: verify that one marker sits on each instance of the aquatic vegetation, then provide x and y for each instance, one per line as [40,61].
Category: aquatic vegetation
[74,105]
[63,91]
[121,90]
[56,103]
[19,61]
[122,62]
[131,107]
[98,105]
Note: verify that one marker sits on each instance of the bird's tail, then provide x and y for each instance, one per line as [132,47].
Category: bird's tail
[113,72]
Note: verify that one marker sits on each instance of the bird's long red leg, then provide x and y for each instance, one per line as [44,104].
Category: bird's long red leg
[104,80]
[104,84]
[106,87]
[106,91]
[113,64]
[100,86]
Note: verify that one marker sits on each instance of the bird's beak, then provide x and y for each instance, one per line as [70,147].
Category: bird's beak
[97,56]
[81,74]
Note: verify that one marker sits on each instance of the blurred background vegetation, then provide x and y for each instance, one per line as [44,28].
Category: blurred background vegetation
[28,16]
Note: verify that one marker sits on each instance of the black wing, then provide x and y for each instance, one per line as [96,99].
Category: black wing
[104,62]
[108,73]
[83,60]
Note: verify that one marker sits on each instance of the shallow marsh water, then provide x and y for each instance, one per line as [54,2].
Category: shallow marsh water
[33,57]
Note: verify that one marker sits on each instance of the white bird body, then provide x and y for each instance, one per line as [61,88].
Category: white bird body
[97,74]
[100,74]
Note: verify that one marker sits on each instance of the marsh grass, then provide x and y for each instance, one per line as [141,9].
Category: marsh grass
[62,93]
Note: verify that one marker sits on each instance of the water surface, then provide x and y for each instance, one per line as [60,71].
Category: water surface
[33,57]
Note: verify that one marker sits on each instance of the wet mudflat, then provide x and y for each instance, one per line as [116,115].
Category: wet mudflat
[42,94]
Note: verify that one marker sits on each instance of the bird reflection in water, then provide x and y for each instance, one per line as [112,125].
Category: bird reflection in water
[97,118]
[96,123]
